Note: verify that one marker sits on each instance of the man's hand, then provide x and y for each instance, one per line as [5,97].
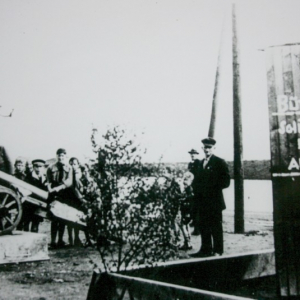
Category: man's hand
[55,189]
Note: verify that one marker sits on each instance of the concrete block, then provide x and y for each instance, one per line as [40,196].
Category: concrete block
[23,247]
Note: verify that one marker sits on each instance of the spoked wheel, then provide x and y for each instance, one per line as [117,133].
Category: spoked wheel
[10,210]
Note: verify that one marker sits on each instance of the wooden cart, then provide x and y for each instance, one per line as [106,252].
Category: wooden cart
[11,203]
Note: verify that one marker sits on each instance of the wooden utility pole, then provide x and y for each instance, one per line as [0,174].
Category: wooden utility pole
[212,125]
[237,133]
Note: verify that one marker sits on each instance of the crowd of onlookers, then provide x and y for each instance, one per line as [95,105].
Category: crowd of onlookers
[198,199]
[66,181]
[72,184]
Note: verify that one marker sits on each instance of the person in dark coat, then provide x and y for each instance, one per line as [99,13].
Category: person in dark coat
[213,176]
[60,180]
[193,167]
[38,179]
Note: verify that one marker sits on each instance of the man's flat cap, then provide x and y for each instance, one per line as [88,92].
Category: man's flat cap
[193,151]
[209,141]
[38,162]
[60,151]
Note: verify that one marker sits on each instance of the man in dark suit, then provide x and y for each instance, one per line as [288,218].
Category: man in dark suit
[193,167]
[213,176]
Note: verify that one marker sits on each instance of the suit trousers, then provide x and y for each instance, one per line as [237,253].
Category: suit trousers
[195,213]
[211,231]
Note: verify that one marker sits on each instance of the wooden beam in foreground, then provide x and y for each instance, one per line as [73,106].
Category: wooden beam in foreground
[186,279]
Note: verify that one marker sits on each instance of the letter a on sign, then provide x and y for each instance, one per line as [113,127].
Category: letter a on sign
[293,164]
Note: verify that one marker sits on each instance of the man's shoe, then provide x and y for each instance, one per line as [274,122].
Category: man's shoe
[61,244]
[186,247]
[189,247]
[78,243]
[217,254]
[200,254]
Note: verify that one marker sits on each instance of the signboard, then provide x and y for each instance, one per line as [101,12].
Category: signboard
[283,79]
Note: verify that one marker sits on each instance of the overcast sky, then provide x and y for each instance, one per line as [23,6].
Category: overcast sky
[69,65]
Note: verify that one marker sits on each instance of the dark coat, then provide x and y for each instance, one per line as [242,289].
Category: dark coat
[194,167]
[212,180]
[40,183]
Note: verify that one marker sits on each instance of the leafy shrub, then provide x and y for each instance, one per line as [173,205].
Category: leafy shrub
[137,212]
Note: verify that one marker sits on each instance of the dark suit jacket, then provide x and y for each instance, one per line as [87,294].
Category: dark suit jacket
[194,167]
[35,181]
[212,180]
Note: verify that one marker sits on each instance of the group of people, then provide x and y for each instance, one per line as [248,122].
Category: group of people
[197,202]
[200,201]
[66,181]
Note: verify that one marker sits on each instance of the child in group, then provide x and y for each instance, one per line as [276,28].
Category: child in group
[93,203]
[21,168]
[171,195]
[37,178]
[185,208]
[21,172]
[77,201]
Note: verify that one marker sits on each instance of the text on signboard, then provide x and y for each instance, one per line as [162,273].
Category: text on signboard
[288,103]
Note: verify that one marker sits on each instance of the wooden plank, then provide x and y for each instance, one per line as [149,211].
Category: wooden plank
[59,210]
[220,271]
[188,279]
[67,213]
[140,288]
[20,183]
[34,201]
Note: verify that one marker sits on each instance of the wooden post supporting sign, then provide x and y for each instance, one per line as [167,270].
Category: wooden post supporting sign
[283,75]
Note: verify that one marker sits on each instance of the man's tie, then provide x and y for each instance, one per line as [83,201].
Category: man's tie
[205,163]
[61,173]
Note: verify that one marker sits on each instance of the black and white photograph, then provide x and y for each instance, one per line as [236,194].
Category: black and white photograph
[149,149]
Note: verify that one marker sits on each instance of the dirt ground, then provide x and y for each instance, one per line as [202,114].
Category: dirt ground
[68,273]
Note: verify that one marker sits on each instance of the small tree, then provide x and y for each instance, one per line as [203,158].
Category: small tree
[137,212]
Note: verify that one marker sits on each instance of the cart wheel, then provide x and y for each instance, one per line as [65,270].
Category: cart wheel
[10,210]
